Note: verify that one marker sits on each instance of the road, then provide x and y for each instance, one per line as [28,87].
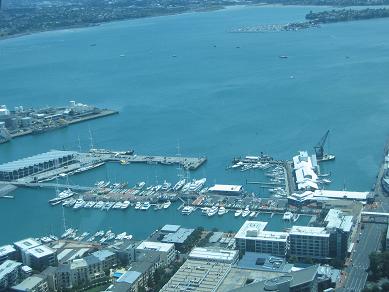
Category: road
[369,241]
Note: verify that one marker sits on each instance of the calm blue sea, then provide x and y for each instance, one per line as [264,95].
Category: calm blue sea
[184,80]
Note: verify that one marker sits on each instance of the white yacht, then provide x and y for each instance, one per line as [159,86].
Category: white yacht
[213,211]
[125,205]
[238,213]
[204,211]
[138,205]
[79,204]
[145,206]
[167,204]
[99,205]
[252,214]
[246,212]
[222,211]
[179,185]
[187,210]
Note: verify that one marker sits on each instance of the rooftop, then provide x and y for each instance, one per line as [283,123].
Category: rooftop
[255,230]
[336,219]
[170,228]
[178,237]
[40,251]
[212,254]
[309,231]
[197,275]
[157,246]
[33,160]
[26,244]
[6,249]
[144,262]
[129,277]
[264,262]
[226,188]
[7,267]
[103,254]
[28,284]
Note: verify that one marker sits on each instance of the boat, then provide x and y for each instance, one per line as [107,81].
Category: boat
[140,185]
[179,185]
[67,232]
[66,194]
[238,213]
[283,57]
[213,211]
[138,205]
[204,211]
[187,210]
[69,202]
[165,186]
[324,175]
[99,205]
[125,205]
[117,205]
[145,206]
[287,216]
[295,217]
[158,207]
[252,214]
[167,204]
[246,212]
[79,204]
[321,156]
[326,181]
[222,211]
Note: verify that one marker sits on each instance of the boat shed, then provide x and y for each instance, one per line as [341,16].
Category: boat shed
[35,164]
[227,189]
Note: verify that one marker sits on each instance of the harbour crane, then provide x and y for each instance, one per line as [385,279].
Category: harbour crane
[319,149]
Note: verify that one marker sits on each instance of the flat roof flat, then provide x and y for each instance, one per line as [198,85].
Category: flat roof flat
[28,284]
[222,255]
[129,277]
[170,228]
[336,219]
[157,246]
[40,251]
[226,188]
[6,249]
[33,160]
[255,230]
[26,244]
[309,231]
[178,237]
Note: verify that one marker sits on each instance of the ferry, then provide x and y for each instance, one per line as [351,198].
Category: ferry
[238,213]
[138,205]
[222,211]
[167,204]
[187,210]
[213,211]
[145,206]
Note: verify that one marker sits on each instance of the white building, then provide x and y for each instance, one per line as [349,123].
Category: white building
[9,274]
[166,251]
[309,242]
[227,189]
[23,246]
[306,178]
[7,252]
[214,255]
[40,257]
[252,237]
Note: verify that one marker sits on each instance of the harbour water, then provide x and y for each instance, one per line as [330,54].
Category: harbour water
[184,80]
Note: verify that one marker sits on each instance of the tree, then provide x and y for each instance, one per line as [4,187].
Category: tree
[385,287]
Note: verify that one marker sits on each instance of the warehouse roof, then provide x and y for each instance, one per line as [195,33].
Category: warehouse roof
[27,243]
[6,249]
[40,251]
[33,160]
[212,254]
[226,188]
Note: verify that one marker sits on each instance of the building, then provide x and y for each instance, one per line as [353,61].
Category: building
[387,239]
[32,284]
[306,178]
[172,234]
[214,255]
[197,275]
[264,262]
[107,259]
[309,242]
[307,197]
[7,252]
[253,238]
[166,251]
[339,226]
[304,280]
[23,246]
[35,164]
[228,190]
[40,257]
[9,274]
[138,274]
